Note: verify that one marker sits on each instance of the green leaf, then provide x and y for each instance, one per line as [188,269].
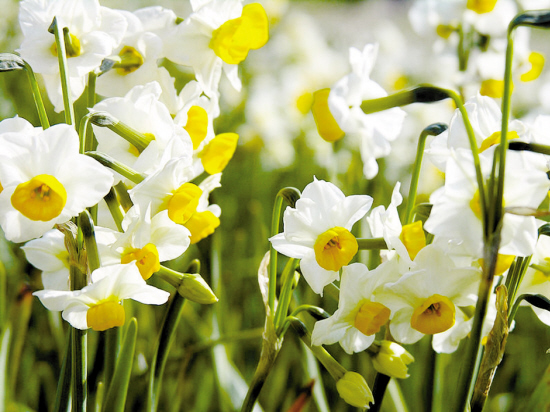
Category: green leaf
[4,350]
[116,395]
[540,399]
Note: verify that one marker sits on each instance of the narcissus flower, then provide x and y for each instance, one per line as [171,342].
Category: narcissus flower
[218,35]
[46,181]
[358,318]
[318,231]
[425,299]
[99,305]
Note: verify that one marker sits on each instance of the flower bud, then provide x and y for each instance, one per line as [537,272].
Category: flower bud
[194,288]
[353,389]
[392,360]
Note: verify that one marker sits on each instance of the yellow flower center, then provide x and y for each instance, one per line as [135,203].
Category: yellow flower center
[105,315]
[542,271]
[481,6]
[371,316]
[335,248]
[72,46]
[184,202]
[41,198]
[201,225]
[537,63]
[147,260]
[413,237]
[197,125]
[235,38]
[327,126]
[304,102]
[495,139]
[131,60]
[218,152]
[435,315]
[475,205]
[444,31]
[492,88]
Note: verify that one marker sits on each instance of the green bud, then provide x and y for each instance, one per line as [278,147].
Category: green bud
[353,389]
[392,360]
[194,288]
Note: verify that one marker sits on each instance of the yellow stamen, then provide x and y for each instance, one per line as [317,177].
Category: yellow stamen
[131,60]
[235,38]
[335,248]
[41,198]
[201,225]
[218,152]
[475,205]
[105,315]
[435,315]
[537,63]
[197,125]
[371,316]
[481,6]
[72,47]
[413,237]
[147,260]
[184,202]
[327,126]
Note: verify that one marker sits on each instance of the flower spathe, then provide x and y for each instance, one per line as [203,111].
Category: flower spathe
[98,305]
[317,231]
[46,181]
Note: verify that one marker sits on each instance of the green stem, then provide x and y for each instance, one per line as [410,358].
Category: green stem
[44,122]
[86,224]
[165,340]
[79,370]
[112,344]
[376,243]
[381,382]
[62,397]
[117,166]
[289,282]
[115,208]
[60,35]
[532,147]
[431,130]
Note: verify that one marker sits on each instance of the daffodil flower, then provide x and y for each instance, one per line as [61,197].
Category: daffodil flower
[46,181]
[425,299]
[99,305]
[358,318]
[318,231]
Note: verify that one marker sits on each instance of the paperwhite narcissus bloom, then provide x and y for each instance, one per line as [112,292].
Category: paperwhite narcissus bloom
[98,305]
[218,35]
[425,299]
[94,32]
[50,255]
[358,318]
[139,51]
[142,110]
[147,241]
[46,181]
[342,115]
[317,231]
[456,213]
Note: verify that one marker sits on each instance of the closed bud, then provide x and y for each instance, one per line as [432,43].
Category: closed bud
[392,360]
[194,288]
[353,389]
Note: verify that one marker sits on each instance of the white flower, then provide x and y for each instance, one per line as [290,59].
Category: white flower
[141,110]
[94,31]
[147,240]
[218,35]
[98,305]
[456,213]
[317,231]
[372,132]
[50,255]
[358,318]
[425,299]
[46,181]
